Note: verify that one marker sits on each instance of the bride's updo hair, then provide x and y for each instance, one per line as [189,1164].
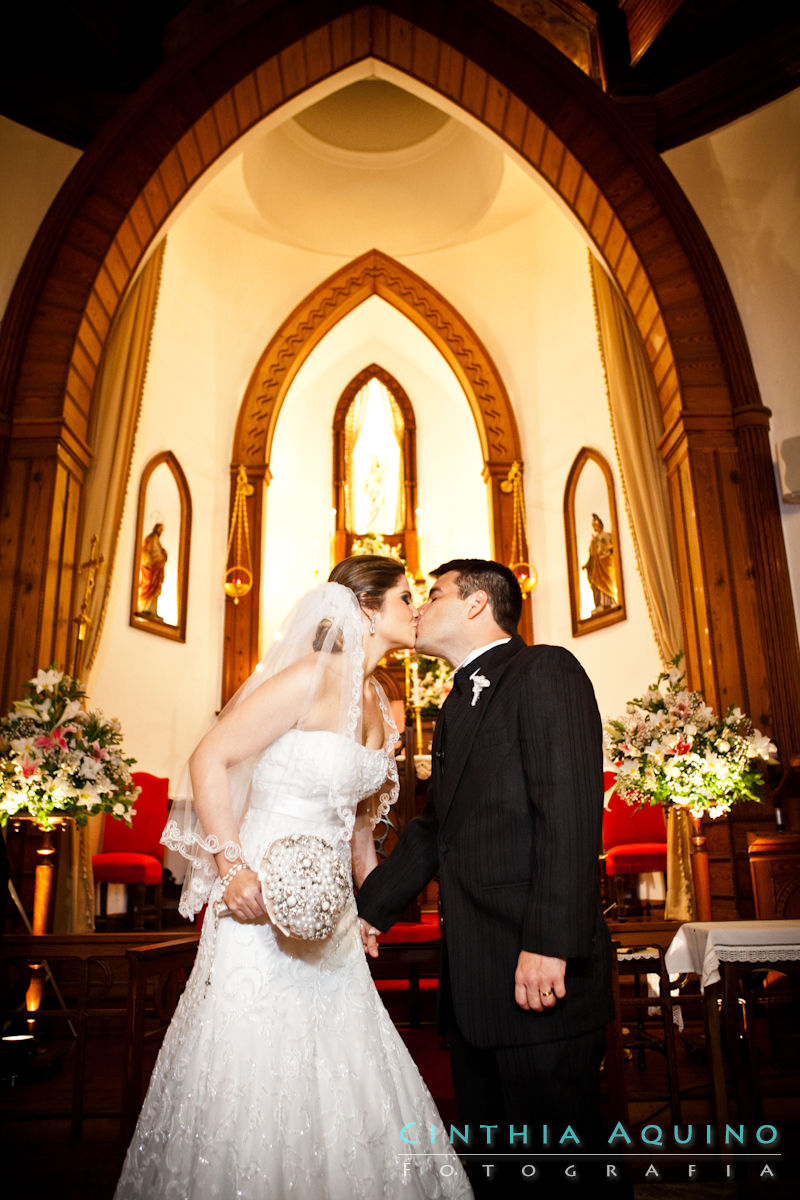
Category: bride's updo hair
[369,576]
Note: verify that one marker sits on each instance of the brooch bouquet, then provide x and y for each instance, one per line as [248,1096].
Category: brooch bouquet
[669,747]
[57,759]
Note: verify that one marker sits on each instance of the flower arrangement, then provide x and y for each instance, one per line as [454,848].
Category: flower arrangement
[669,747]
[57,759]
[373,543]
[434,683]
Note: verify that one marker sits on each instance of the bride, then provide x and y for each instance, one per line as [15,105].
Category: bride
[281,1073]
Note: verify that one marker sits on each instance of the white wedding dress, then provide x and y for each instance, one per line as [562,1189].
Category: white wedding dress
[281,1074]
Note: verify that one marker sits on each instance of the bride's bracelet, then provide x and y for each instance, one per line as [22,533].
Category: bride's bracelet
[232,873]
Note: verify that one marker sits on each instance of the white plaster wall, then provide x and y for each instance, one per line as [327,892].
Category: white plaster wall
[744,182]
[32,168]
[526,292]
[224,291]
[451,494]
[222,295]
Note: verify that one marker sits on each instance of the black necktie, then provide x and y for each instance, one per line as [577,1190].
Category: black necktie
[458,680]
[455,699]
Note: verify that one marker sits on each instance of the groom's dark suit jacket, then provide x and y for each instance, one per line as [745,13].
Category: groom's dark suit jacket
[513,825]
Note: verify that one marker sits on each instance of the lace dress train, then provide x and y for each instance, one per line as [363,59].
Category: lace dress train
[281,1073]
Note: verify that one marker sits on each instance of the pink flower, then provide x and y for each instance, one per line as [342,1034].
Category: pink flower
[52,741]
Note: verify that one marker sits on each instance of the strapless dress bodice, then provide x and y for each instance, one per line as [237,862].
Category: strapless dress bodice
[293,776]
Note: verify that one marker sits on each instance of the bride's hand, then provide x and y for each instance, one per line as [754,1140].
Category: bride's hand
[369,938]
[243,897]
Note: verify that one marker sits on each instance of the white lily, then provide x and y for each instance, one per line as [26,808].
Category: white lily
[46,679]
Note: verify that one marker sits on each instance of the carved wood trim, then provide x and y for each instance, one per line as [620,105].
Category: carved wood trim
[372,274]
[375,273]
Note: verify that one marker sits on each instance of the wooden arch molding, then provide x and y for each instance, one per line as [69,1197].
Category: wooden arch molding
[372,274]
[740,633]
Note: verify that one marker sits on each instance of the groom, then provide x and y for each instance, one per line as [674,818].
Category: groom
[513,826]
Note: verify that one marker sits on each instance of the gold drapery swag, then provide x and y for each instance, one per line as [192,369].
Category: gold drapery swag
[116,405]
[637,426]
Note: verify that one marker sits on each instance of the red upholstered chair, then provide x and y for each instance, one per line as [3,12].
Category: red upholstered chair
[134,856]
[634,842]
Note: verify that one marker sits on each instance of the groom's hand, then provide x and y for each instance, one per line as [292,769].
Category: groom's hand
[369,937]
[539,981]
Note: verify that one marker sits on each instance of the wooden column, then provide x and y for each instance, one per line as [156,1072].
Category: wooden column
[38,548]
[768,572]
[721,620]
[739,634]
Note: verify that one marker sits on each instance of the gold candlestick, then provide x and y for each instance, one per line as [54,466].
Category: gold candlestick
[418,727]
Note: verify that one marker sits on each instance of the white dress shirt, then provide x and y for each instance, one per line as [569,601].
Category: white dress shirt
[473,654]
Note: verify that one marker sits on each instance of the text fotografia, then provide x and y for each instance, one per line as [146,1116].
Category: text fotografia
[612,1171]
[525,1138]
[685,1148]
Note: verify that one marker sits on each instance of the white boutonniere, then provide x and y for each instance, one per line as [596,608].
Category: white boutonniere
[479,682]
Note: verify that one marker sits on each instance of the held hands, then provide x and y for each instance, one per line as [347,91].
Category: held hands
[539,981]
[369,937]
[243,898]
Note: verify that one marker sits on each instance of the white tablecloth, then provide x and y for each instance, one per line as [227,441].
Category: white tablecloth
[700,946]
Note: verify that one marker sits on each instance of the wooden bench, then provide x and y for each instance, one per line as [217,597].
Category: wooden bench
[128,983]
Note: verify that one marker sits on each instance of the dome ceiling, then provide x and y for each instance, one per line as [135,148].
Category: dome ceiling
[371,165]
[371,116]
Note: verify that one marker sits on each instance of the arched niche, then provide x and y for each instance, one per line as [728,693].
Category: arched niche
[372,274]
[160,569]
[405,539]
[739,628]
[594,567]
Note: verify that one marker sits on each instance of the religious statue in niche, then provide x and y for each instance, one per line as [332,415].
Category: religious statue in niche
[374,490]
[596,590]
[160,579]
[152,565]
[374,493]
[600,568]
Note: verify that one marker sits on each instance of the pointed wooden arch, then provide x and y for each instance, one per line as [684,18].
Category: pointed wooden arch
[739,627]
[372,274]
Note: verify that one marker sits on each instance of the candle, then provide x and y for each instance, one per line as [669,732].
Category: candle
[415,695]
[332,538]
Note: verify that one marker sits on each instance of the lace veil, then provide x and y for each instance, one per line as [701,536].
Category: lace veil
[326,624]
